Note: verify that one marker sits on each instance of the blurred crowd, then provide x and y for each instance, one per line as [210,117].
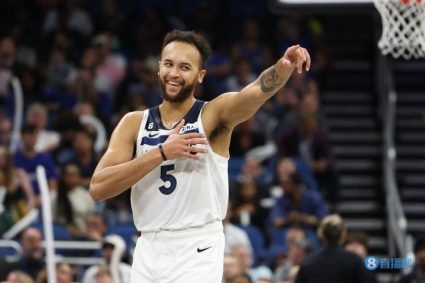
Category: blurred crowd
[83,64]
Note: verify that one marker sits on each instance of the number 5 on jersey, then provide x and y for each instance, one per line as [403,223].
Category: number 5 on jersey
[165,176]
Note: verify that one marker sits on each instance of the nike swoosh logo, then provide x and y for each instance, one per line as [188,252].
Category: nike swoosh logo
[201,250]
[151,135]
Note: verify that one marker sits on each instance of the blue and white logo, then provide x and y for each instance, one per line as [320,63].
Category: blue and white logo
[371,262]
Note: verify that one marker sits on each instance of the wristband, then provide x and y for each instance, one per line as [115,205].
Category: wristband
[161,150]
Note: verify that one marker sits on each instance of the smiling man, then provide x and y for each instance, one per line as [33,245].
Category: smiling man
[179,173]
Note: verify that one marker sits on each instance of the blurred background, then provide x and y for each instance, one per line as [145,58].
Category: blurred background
[323,144]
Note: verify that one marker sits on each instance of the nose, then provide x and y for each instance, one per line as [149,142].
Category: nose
[174,72]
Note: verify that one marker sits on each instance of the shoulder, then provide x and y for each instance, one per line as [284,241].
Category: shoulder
[350,256]
[132,117]
[312,259]
[351,260]
[130,122]
[217,103]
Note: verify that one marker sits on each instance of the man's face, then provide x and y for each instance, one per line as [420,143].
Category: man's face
[64,273]
[231,267]
[179,71]
[107,250]
[31,243]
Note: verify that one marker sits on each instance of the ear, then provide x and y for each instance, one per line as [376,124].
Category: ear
[201,75]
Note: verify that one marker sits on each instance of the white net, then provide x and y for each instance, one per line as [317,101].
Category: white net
[403,28]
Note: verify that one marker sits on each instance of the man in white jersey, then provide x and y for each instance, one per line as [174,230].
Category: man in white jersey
[179,173]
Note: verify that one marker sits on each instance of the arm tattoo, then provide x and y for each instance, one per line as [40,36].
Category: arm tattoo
[270,80]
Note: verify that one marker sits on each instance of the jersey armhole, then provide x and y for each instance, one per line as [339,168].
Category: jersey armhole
[202,130]
[140,133]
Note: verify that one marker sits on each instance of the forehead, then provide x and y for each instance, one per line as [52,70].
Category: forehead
[181,52]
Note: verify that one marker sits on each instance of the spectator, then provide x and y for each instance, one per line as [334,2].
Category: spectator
[74,18]
[234,235]
[232,267]
[82,154]
[108,245]
[308,103]
[251,46]
[32,252]
[83,87]
[64,274]
[47,140]
[245,137]
[418,272]
[19,195]
[96,227]
[72,202]
[313,145]
[104,275]
[297,248]
[246,259]
[67,124]
[111,67]
[241,77]
[5,129]
[356,242]
[297,206]
[59,69]
[252,168]
[331,263]
[118,211]
[28,159]
[18,276]
[247,209]
[7,68]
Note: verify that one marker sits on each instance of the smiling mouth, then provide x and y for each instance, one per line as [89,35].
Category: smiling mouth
[174,84]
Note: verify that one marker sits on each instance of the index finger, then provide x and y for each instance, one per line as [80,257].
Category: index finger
[308,60]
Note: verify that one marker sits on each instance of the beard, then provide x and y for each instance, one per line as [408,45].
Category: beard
[186,91]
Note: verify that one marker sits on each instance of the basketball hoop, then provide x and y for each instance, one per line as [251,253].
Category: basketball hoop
[403,28]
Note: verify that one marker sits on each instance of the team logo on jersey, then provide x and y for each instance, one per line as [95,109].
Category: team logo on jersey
[189,128]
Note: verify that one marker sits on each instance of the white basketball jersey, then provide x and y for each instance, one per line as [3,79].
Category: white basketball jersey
[180,193]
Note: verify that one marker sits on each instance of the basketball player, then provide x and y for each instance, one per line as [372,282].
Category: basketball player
[179,173]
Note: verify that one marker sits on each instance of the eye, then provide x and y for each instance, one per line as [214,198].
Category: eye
[185,68]
[167,64]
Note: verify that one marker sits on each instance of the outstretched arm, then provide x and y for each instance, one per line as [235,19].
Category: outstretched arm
[235,107]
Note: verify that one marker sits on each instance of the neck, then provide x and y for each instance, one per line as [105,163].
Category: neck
[172,113]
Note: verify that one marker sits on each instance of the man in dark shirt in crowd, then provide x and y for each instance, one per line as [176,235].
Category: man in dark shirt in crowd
[32,261]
